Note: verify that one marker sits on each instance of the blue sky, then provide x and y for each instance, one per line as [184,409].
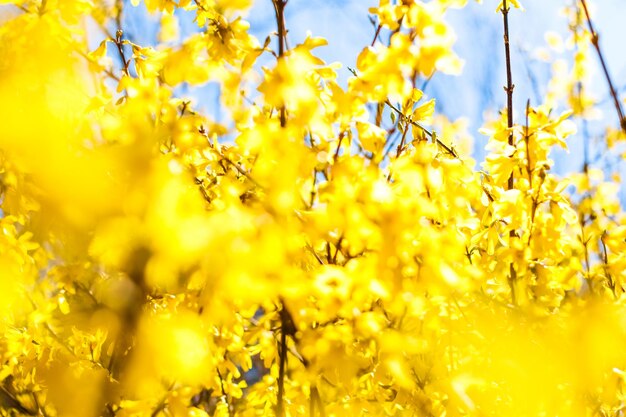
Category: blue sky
[478,90]
[474,94]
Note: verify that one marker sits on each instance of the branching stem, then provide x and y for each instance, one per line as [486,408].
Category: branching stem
[287,328]
[509,113]
[605,265]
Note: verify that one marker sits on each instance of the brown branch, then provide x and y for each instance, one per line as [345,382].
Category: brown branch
[287,327]
[107,71]
[336,155]
[378,28]
[400,147]
[42,7]
[529,170]
[509,80]
[317,257]
[605,265]
[509,110]
[224,395]
[240,170]
[282,364]
[10,402]
[596,44]
[337,249]
[118,36]
[433,137]
[279,9]
[119,42]
[585,243]
[428,133]
[316,399]
[129,316]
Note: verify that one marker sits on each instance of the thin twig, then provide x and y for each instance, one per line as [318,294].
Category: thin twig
[279,9]
[605,265]
[119,42]
[240,170]
[312,250]
[287,327]
[509,80]
[317,399]
[585,243]
[10,402]
[336,155]
[428,133]
[118,35]
[579,90]
[400,147]
[596,44]
[224,395]
[529,73]
[280,403]
[378,28]
[529,170]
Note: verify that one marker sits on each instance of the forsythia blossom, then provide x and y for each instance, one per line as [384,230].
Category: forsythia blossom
[313,249]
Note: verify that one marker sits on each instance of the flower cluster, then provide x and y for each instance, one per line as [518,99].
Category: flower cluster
[322,250]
